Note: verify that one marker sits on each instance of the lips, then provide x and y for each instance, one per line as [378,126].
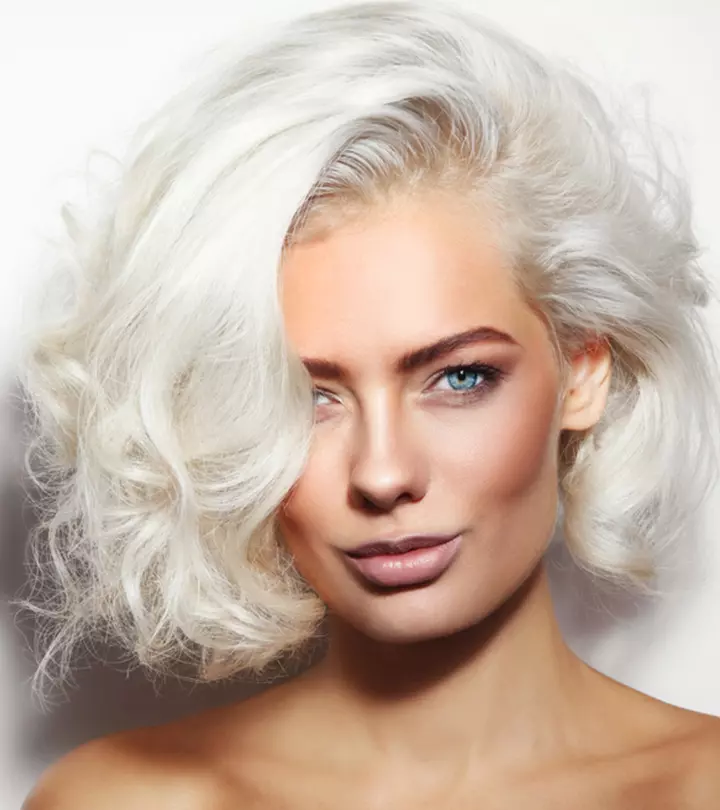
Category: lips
[399,546]
[407,561]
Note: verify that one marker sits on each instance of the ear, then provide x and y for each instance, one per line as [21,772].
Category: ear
[587,386]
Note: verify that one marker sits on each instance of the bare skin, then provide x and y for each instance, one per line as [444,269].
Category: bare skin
[460,692]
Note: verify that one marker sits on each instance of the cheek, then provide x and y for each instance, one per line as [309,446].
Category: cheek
[305,516]
[499,450]
[310,521]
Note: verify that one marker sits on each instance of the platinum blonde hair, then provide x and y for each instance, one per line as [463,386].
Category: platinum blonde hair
[169,416]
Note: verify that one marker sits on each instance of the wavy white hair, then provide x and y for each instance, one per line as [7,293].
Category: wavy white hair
[170,418]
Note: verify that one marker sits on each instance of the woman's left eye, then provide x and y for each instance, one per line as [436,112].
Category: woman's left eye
[469,379]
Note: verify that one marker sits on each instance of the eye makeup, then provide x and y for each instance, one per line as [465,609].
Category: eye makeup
[489,377]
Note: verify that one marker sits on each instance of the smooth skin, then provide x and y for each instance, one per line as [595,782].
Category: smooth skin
[459,694]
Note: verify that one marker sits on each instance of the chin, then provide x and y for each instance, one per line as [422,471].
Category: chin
[401,620]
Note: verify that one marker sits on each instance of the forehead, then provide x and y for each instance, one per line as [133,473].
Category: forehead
[397,277]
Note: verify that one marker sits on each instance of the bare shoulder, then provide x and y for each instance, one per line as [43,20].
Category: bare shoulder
[703,784]
[138,769]
[686,762]
[206,761]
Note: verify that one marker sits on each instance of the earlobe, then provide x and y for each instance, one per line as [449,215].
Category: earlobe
[587,386]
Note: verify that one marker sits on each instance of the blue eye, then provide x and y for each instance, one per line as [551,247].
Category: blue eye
[471,378]
[466,379]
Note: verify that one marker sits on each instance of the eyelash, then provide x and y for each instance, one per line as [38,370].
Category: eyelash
[491,377]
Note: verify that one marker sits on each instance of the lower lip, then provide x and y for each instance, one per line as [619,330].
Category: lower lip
[411,568]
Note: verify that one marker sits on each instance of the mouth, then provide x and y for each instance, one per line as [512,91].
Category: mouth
[409,561]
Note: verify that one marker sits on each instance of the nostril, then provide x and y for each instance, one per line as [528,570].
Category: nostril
[379,503]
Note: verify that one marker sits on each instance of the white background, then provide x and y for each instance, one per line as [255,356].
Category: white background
[79,74]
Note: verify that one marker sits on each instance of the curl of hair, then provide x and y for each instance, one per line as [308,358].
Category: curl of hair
[170,417]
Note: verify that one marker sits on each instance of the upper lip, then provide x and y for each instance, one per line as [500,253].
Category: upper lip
[399,545]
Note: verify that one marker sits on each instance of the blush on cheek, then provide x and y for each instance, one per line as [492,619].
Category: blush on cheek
[512,448]
[499,454]
[529,413]
[525,455]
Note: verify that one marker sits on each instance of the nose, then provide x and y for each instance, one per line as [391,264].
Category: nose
[386,468]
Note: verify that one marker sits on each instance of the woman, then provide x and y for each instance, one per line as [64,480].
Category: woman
[373,310]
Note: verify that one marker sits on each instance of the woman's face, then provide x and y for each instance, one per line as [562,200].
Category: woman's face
[402,446]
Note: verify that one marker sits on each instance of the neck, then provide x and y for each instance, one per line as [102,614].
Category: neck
[505,691]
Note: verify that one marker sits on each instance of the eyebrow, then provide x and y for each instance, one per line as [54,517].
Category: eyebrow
[417,358]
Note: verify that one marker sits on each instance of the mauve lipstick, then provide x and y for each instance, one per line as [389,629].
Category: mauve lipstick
[405,561]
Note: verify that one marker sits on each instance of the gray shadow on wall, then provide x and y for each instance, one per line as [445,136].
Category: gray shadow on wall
[107,699]
[602,623]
